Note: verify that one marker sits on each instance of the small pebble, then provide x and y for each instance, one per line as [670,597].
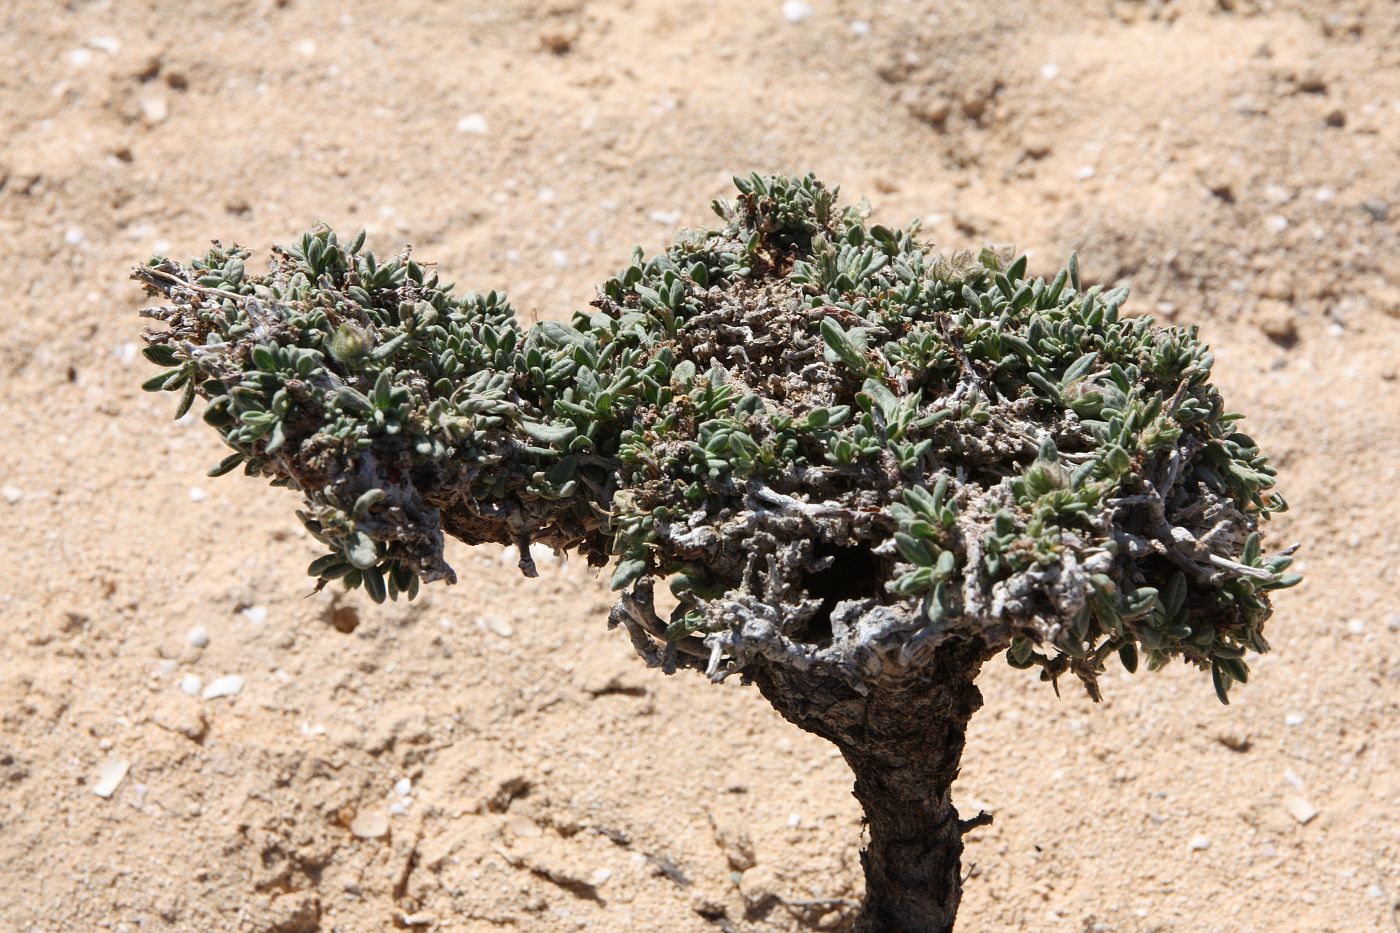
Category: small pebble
[473,123]
[524,827]
[197,494]
[306,47]
[496,625]
[1393,623]
[1300,809]
[370,824]
[154,108]
[109,44]
[1292,777]
[419,919]
[110,776]
[73,236]
[403,787]
[167,667]
[794,820]
[1356,626]
[191,684]
[1049,71]
[1084,172]
[1199,843]
[12,494]
[227,686]
[559,258]
[860,27]
[600,876]
[198,637]
[1276,222]
[254,614]
[795,11]
[1294,719]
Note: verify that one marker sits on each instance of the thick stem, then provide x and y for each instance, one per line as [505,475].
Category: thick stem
[903,740]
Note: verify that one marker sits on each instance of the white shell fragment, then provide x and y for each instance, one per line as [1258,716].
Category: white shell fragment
[227,686]
[110,776]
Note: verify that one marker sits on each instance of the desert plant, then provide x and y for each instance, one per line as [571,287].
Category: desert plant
[863,470]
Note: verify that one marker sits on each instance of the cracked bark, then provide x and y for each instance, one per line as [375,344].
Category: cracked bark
[903,741]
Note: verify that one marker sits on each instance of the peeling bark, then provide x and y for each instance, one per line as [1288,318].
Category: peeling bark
[903,740]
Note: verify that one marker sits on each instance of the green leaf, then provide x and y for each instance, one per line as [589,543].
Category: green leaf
[628,572]
[558,434]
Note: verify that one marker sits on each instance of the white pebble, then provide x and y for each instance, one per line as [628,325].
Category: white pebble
[1049,71]
[167,667]
[600,877]
[12,494]
[109,44]
[1294,719]
[559,258]
[473,123]
[254,614]
[197,494]
[191,684]
[227,686]
[1323,195]
[306,47]
[110,776]
[399,807]
[1199,843]
[546,195]
[794,820]
[73,236]
[370,824]
[154,108]
[1300,809]
[1084,172]
[795,11]
[524,827]
[1291,777]
[496,625]
[860,27]
[1356,626]
[79,58]
[1276,222]
[1393,623]
[198,636]
[403,787]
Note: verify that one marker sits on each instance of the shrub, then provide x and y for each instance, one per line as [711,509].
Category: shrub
[862,468]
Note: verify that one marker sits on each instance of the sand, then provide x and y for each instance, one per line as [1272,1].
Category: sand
[490,757]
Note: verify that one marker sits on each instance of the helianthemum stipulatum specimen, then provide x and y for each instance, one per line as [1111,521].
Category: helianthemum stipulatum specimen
[863,469]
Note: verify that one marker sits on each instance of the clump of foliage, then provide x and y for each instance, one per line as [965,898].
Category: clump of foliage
[862,468]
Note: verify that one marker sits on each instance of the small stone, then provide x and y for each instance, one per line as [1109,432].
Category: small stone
[496,626]
[794,820]
[1049,71]
[524,827]
[1276,223]
[796,11]
[1356,626]
[110,776]
[197,494]
[306,47]
[191,684]
[1277,321]
[403,787]
[109,44]
[473,123]
[559,258]
[12,494]
[229,685]
[1199,843]
[370,824]
[254,614]
[1294,719]
[1379,210]
[419,919]
[860,27]
[1084,172]
[1292,777]
[198,637]
[1336,118]
[1300,809]
[600,877]
[1393,622]
[154,108]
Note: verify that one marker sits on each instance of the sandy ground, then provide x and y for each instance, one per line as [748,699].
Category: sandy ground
[1236,161]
